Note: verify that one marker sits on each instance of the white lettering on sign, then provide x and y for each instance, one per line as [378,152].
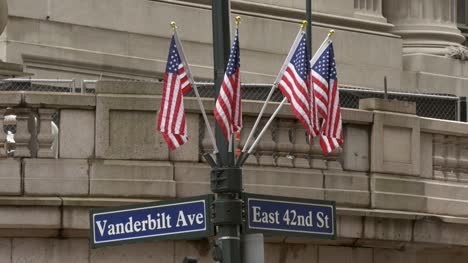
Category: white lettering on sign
[264,217]
[290,217]
[150,223]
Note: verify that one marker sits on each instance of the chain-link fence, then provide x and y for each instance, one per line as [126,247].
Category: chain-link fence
[440,106]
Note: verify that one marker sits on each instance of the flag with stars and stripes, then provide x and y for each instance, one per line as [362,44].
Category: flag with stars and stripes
[294,83]
[228,108]
[171,119]
[325,86]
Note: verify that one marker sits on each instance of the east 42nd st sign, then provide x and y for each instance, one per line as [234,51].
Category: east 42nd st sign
[285,216]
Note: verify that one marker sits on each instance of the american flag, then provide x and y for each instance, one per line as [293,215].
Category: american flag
[171,119]
[228,108]
[294,84]
[327,97]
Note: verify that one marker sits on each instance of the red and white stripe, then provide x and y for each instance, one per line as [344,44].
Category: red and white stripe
[228,108]
[171,121]
[296,91]
[331,135]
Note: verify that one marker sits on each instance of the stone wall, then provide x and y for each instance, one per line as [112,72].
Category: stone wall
[400,181]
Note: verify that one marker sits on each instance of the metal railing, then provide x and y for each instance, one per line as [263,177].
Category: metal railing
[439,106]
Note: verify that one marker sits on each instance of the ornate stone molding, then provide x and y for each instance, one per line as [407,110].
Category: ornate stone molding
[426,26]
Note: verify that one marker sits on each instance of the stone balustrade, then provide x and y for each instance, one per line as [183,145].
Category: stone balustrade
[394,166]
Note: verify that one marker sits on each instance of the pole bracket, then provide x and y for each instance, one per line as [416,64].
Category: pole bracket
[226,180]
[227,212]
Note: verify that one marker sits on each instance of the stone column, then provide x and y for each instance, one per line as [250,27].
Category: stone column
[426,26]
[369,10]
[45,138]
[23,134]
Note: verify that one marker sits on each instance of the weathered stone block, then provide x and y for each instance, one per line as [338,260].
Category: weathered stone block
[56,177]
[190,150]
[161,252]
[75,218]
[201,249]
[395,144]
[29,217]
[291,182]
[291,253]
[5,250]
[388,229]
[356,148]
[126,128]
[347,188]
[132,179]
[345,254]
[47,250]
[10,177]
[348,226]
[426,155]
[440,233]
[192,179]
[77,133]
[388,105]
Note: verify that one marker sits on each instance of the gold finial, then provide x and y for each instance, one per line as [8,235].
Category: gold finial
[331,33]
[173,25]
[238,18]
[304,24]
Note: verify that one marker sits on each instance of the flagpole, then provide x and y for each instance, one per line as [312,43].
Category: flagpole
[195,88]
[243,156]
[273,88]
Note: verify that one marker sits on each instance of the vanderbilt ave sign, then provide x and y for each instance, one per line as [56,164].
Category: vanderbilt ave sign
[187,218]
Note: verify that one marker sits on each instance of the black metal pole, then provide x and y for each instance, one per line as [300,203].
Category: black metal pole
[226,180]
[221,48]
[309,26]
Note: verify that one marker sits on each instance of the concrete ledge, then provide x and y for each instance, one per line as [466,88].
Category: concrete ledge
[10,98]
[60,100]
[388,105]
[56,177]
[444,127]
[10,177]
[128,87]
[132,179]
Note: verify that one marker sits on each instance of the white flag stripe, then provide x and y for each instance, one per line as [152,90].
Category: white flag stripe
[297,90]
[299,109]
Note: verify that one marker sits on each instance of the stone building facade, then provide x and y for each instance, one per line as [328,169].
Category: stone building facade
[400,181]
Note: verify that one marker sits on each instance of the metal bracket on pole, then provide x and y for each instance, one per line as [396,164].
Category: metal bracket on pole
[226,180]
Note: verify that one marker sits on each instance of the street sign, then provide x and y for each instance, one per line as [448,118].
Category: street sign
[186,218]
[286,216]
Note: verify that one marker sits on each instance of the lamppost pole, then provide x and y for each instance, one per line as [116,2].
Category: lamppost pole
[309,26]
[226,179]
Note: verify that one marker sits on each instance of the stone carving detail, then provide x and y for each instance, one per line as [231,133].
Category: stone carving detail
[458,52]
[450,158]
